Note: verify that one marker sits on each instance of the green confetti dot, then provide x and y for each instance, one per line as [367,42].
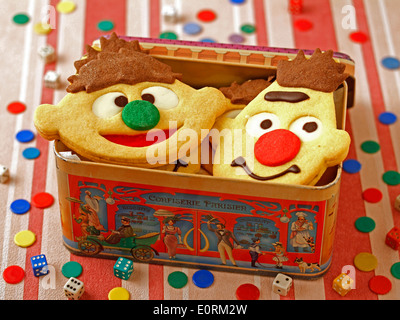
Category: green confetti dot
[370,146]
[395,270]
[365,224]
[177,279]
[21,18]
[248,28]
[71,269]
[105,25]
[168,35]
[391,178]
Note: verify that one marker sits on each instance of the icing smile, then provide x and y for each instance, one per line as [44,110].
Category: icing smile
[141,140]
[241,162]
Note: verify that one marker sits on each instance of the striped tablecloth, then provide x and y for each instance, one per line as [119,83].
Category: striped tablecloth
[378,90]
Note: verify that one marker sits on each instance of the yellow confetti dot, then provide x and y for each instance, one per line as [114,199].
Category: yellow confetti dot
[42,28]
[66,6]
[24,238]
[118,293]
[365,261]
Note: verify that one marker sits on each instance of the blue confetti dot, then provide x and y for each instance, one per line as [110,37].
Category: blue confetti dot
[387,118]
[391,63]
[208,40]
[351,166]
[20,206]
[31,153]
[203,278]
[192,28]
[25,136]
[237,1]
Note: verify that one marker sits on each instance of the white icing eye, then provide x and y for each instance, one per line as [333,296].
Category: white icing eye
[262,123]
[109,104]
[163,98]
[307,128]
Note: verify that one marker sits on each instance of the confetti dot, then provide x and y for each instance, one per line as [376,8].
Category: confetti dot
[365,224]
[365,261]
[247,291]
[236,38]
[66,6]
[13,274]
[248,28]
[209,40]
[42,200]
[105,25]
[41,28]
[16,107]
[391,178]
[118,293]
[177,279]
[303,25]
[380,285]
[21,18]
[372,195]
[370,146]
[71,269]
[237,1]
[387,118]
[20,206]
[395,270]
[168,35]
[24,238]
[391,63]
[31,153]
[359,37]
[206,15]
[351,166]
[192,28]
[25,136]
[203,278]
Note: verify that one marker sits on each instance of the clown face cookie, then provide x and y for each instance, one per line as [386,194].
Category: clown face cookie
[125,107]
[288,133]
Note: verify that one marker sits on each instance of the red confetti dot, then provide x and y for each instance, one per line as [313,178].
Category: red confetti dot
[42,200]
[13,274]
[380,285]
[16,107]
[206,15]
[303,24]
[247,291]
[372,195]
[359,37]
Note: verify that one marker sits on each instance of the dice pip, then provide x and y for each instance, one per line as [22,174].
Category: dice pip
[393,238]
[74,289]
[39,265]
[4,174]
[342,284]
[282,284]
[123,268]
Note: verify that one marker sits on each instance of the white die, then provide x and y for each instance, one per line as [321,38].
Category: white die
[4,174]
[47,53]
[52,79]
[282,284]
[74,289]
[170,14]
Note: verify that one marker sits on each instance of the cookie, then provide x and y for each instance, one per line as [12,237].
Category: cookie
[288,133]
[125,107]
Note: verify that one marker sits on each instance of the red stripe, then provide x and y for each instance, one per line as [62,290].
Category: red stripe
[154,18]
[31,283]
[378,104]
[259,16]
[156,282]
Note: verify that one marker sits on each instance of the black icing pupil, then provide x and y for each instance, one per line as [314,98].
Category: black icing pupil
[148,97]
[310,126]
[266,124]
[121,101]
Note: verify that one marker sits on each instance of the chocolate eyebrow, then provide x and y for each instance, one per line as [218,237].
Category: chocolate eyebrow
[286,96]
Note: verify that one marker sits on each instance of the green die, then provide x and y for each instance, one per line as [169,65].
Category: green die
[123,268]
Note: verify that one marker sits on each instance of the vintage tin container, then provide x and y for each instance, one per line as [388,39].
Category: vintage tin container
[179,219]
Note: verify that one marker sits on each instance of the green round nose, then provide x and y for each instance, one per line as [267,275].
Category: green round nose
[140,115]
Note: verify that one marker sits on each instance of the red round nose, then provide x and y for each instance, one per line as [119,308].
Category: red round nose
[276,147]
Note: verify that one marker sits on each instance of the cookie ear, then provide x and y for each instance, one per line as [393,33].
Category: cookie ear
[46,120]
[338,149]
[213,98]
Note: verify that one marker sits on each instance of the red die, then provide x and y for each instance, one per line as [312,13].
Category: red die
[393,238]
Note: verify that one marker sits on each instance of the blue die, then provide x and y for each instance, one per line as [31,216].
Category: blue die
[123,268]
[39,265]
